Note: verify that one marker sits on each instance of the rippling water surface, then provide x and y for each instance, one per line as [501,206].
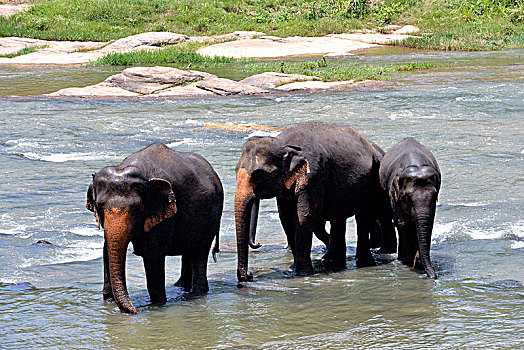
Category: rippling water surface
[471,118]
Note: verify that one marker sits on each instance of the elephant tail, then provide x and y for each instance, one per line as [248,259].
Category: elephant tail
[216,248]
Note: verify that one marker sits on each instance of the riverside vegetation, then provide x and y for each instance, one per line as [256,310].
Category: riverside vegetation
[445,25]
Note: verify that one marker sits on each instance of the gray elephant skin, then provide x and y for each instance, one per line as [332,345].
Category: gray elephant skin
[166,203]
[410,177]
[318,172]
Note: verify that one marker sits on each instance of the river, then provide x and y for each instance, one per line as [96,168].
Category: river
[471,117]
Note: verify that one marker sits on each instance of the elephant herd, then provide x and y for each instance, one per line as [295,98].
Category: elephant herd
[170,203]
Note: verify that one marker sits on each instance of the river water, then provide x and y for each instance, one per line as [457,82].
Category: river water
[471,118]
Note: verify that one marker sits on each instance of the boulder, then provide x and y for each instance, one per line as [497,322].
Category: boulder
[226,87]
[270,80]
[146,80]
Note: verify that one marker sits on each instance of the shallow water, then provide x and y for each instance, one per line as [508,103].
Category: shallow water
[471,118]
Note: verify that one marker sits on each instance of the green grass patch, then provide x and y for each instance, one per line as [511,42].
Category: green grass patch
[175,54]
[24,51]
[335,70]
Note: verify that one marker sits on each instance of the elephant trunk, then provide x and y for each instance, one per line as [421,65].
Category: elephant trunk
[118,229]
[244,203]
[253,225]
[424,226]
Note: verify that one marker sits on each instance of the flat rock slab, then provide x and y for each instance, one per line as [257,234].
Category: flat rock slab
[245,45]
[371,38]
[273,47]
[161,82]
[101,90]
[9,10]
[145,41]
[270,80]
[239,127]
[146,80]
[238,35]
[226,87]
[71,52]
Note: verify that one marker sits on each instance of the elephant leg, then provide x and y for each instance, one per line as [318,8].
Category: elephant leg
[375,235]
[107,291]
[186,276]
[287,211]
[322,234]
[403,245]
[199,275]
[304,234]
[363,256]
[154,266]
[388,236]
[335,258]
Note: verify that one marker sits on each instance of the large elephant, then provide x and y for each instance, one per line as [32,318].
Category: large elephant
[318,172]
[166,203]
[410,176]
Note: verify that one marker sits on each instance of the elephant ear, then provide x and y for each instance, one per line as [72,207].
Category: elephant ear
[160,203]
[394,197]
[90,203]
[296,166]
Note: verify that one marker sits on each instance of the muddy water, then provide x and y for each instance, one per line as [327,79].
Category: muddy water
[471,118]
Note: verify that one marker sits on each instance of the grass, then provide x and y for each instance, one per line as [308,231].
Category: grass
[445,24]
[24,51]
[182,54]
[335,70]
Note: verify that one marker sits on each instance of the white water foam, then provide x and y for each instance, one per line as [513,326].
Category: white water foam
[401,115]
[263,133]
[87,251]
[185,141]
[517,245]
[65,157]
[517,229]
[11,227]
[87,231]
[193,122]
[16,230]
[471,204]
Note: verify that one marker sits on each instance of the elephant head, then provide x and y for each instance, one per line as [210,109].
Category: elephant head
[126,204]
[266,168]
[415,189]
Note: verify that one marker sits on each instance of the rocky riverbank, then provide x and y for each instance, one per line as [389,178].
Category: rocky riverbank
[167,82]
[239,44]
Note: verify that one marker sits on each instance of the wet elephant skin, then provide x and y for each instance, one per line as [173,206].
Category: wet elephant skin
[318,172]
[166,203]
[410,176]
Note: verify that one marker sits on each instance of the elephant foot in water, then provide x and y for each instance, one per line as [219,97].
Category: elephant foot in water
[334,262]
[365,260]
[185,285]
[301,271]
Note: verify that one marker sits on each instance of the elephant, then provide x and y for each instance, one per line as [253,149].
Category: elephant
[318,172]
[166,203]
[410,177]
